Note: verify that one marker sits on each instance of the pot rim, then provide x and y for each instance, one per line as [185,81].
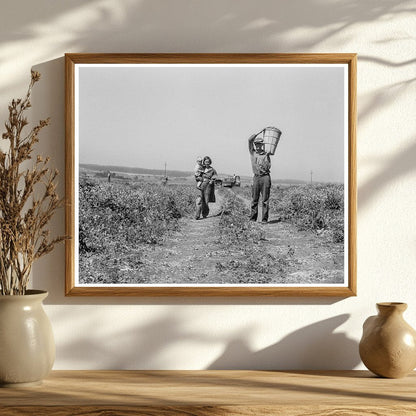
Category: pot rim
[30,293]
[391,303]
[391,306]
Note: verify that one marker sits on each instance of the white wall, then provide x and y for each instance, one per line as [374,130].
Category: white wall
[195,333]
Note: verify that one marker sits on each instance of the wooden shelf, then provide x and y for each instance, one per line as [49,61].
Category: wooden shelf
[204,393]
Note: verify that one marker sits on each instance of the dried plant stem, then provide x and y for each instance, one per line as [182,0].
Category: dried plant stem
[23,217]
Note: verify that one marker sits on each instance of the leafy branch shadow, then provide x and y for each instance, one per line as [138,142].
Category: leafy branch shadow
[316,346]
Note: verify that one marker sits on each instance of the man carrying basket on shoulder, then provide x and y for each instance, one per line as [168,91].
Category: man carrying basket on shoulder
[261,164]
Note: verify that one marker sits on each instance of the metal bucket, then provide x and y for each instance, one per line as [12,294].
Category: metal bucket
[271,137]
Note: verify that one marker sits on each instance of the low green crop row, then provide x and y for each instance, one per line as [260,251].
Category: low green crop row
[113,216]
[316,207]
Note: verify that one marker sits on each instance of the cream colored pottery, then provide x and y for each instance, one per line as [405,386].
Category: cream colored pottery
[388,345]
[27,347]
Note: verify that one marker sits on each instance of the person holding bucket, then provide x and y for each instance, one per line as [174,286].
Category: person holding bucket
[261,164]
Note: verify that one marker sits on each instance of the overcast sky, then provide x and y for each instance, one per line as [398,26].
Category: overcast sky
[143,116]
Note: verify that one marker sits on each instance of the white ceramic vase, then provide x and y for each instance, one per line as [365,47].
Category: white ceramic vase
[27,347]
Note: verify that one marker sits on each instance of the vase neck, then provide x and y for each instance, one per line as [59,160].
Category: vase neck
[390,308]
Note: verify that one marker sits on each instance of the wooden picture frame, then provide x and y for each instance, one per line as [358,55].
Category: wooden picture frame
[305,75]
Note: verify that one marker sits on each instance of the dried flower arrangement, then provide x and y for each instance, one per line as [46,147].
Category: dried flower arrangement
[28,200]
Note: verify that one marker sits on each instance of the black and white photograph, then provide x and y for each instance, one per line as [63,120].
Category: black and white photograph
[211,175]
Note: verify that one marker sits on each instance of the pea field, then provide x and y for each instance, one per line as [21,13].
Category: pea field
[144,232]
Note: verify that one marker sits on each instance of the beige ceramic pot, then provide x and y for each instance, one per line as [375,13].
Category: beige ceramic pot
[27,347]
[388,344]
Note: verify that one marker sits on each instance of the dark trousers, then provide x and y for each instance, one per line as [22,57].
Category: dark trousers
[202,201]
[261,186]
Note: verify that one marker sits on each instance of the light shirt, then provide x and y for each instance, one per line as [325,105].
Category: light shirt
[260,162]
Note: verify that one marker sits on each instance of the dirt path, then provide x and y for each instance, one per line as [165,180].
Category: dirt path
[193,255]
[190,255]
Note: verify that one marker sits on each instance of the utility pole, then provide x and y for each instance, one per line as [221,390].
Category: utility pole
[311,176]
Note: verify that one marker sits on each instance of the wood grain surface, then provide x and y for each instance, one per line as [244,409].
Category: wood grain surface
[202,393]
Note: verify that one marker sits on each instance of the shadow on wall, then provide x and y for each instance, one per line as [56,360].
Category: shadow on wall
[243,28]
[150,22]
[151,26]
[382,98]
[124,348]
[152,345]
[48,100]
[313,347]
[391,170]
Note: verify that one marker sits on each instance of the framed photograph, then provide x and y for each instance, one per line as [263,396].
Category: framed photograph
[211,174]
